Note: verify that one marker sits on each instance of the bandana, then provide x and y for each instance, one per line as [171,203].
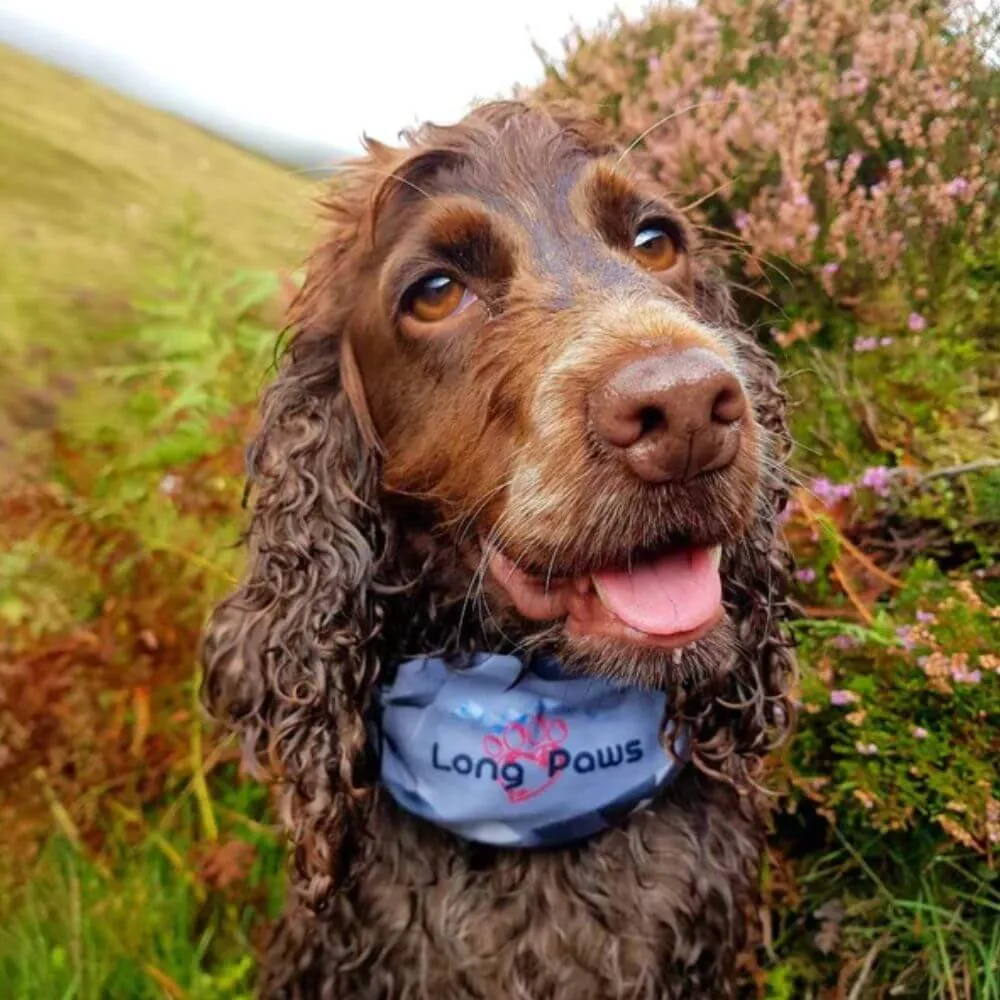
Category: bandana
[519,755]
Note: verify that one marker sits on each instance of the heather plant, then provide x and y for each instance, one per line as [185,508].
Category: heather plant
[842,159]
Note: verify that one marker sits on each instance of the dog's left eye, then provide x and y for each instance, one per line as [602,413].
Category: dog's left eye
[654,248]
[436,298]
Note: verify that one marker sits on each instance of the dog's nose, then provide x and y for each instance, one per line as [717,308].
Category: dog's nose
[671,417]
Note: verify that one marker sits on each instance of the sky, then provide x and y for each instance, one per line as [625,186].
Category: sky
[312,74]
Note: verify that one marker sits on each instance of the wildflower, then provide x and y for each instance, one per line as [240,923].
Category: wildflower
[831,268]
[962,676]
[895,165]
[741,220]
[957,187]
[916,323]
[866,749]
[170,484]
[886,342]
[844,642]
[829,493]
[842,697]
[806,575]
[905,635]
[877,480]
[925,617]
[919,733]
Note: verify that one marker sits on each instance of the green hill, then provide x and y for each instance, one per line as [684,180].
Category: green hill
[94,186]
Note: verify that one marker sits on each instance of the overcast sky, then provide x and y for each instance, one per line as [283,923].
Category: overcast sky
[319,72]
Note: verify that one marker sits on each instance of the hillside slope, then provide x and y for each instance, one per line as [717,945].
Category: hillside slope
[93,186]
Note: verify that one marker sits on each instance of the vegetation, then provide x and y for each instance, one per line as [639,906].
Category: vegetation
[132,858]
[842,159]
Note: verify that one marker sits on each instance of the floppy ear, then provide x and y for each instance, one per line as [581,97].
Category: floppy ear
[288,657]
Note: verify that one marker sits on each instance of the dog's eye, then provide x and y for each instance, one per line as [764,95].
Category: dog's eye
[436,298]
[654,249]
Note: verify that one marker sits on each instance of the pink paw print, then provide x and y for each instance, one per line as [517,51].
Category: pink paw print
[528,747]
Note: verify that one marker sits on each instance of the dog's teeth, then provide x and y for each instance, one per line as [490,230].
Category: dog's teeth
[715,554]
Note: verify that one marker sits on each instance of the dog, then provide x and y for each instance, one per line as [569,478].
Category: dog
[518,482]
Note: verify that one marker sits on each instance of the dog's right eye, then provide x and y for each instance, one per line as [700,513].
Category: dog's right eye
[436,298]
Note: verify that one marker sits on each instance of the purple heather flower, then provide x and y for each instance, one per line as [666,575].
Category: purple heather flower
[904,634]
[824,491]
[962,676]
[831,268]
[916,323]
[877,480]
[925,616]
[741,220]
[840,698]
[919,733]
[863,344]
[806,575]
[957,187]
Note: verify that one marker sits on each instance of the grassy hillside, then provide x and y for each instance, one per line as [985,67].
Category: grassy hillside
[95,190]
[139,303]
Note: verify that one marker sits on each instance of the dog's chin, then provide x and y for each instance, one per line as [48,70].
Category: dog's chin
[701,663]
[656,622]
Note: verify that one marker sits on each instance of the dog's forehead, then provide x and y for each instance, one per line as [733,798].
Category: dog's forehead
[533,181]
[524,176]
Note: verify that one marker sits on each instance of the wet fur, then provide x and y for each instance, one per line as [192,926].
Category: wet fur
[363,550]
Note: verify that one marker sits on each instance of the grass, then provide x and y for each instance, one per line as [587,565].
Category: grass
[143,922]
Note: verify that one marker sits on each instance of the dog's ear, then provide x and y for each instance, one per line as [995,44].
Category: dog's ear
[288,660]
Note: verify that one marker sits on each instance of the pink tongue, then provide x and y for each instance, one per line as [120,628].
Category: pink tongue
[677,593]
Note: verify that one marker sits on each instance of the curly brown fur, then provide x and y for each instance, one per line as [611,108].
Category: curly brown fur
[387,463]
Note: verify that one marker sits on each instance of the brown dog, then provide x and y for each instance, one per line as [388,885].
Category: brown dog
[517,414]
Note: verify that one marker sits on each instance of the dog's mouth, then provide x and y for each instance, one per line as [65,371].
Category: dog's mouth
[665,600]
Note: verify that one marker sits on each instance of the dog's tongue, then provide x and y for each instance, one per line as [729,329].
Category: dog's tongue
[676,593]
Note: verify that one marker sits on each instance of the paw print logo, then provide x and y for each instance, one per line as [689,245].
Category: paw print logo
[528,744]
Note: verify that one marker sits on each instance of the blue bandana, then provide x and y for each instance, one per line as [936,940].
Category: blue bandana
[519,756]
